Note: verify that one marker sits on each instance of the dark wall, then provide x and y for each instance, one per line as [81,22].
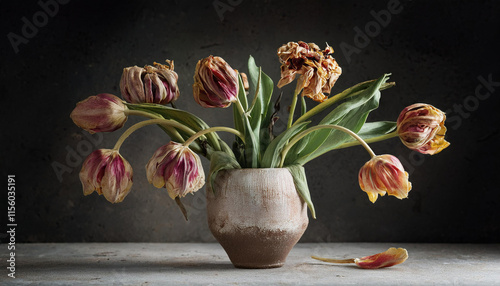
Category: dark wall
[440,52]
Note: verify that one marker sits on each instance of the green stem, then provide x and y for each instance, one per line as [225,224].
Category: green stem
[142,113]
[317,127]
[163,122]
[240,108]
[292,107]
[349,260]
[370,140]
[214,129]
[173,132]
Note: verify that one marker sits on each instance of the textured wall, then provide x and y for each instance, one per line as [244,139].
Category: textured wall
[439,52]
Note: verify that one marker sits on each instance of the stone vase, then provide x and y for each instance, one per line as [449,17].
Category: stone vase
[256,215]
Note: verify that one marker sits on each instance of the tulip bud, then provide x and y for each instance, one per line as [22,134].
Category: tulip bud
[421,128]
[108,173]
[215,83]
[384,174]
[151,84]
[177,168]
[100,113]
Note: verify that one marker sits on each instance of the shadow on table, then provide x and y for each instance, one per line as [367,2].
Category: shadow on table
[125,265]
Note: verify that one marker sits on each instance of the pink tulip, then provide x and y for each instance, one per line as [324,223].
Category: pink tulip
[215,83]
[100,113]
[151,84]
[177,168]
[108,173]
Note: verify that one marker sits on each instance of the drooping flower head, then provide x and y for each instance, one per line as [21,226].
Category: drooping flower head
[421,128]
[384,174]
[108,173]
[150,84]
[100,113]
[215,83]
[317,68]
[177,168]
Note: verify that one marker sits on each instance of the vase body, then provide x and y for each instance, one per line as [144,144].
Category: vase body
[256,215]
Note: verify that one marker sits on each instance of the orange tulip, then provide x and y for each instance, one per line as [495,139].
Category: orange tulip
[318,70]
[384,174]
[421,128]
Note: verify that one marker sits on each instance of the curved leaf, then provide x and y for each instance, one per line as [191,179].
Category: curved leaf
[300,181]
[272,156]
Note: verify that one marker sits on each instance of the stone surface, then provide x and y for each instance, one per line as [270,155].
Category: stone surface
[207,264]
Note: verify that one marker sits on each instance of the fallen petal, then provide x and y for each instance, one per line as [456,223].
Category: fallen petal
[392,256]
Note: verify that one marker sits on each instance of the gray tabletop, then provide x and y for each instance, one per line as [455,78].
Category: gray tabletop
[207,264]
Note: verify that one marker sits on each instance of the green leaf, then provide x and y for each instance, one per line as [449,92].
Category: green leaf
[238,122]
[375,129]
[372,130]
[220,161]
[351,114]
[300,181]
[252,146]
[272,155]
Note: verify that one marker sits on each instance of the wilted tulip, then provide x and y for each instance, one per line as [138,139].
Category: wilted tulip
[384,174]
[215,83]
[100,113]
[151,84]
[177,168]
[318,70]
[388,258]
[108,173]
[421,128]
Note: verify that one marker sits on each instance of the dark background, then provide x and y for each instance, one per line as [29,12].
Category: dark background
[437,52]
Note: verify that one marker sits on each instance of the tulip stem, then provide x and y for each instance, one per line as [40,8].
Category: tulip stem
[173,131]
[370,140]
[160,121]
[142,113]
[292,107]
[349,260]
[317,127]
[214,129]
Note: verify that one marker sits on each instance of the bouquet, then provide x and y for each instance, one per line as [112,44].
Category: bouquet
[176,166]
